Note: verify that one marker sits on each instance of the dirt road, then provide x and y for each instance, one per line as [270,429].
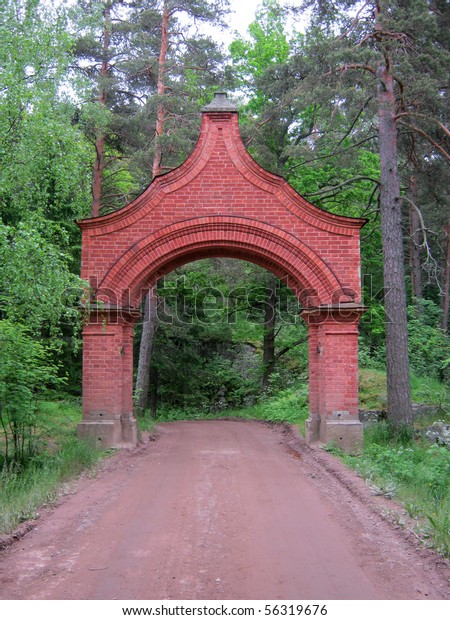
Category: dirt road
[219,510]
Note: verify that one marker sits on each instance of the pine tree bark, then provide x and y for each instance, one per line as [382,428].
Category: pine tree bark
[269,330]
[149,326]
[99,163]
[414,246]
[399,408]
[161,89]
[145,351]
[153,393]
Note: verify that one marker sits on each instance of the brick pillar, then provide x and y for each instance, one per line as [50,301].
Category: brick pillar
[333,375]
[108,379]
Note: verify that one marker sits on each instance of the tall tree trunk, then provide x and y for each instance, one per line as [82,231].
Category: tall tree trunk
[160,110]
[269,330]
[149,326]
[145,351]
[414,247]
[153,394]
[99,163]
[446,291]
[399,406]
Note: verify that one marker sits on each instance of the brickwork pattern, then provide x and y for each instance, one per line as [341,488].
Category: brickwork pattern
[220,202]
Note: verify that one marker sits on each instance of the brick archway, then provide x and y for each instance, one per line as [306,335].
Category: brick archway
[220,202]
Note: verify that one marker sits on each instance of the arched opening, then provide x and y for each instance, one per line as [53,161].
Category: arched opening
[224,333]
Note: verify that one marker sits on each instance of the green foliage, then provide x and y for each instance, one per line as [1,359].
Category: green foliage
[45,166]
[26,486]
[372,389]
[147,424]
[288,406]
[57,418]
[209,340]
[25,370]
[23,492]
[349,43]
[428,345]
[43,155]
[118,74]
[36,285]
[267,47]
[413,471]
[33,57]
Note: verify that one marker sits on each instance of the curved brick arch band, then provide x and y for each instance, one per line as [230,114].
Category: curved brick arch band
[290,259]
[220,202]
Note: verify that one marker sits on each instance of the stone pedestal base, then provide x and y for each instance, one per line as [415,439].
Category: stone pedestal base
[345,434]
[109,432]
[312,427]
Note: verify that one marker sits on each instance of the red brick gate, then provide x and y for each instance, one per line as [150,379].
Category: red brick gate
[220,202]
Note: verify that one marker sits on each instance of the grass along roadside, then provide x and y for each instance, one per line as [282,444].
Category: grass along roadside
[373,390]
[404,465]
[412,471]
[42,480]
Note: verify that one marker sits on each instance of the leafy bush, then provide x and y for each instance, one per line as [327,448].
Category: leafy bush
[289,405]
[37,288]
[25,369]
[428,345]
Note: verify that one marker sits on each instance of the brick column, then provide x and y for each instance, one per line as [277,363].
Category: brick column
[108,379]
[333,375]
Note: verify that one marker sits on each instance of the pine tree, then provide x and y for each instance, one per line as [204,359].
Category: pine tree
[101,33]
[388,54]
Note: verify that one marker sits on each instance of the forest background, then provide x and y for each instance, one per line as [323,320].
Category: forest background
[99,96]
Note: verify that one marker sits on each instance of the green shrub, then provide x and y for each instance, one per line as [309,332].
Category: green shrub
[289,405]
[428,345]
[25,370]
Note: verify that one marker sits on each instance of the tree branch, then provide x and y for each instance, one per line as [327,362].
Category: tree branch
[333,188]
[258,126]
[435,268]
[357,66]
[363,107]
[289,347]
[441,125]
[429,138]
[310,161]
[369,204]
[354,23]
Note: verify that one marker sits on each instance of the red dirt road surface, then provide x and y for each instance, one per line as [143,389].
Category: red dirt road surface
[220,510]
